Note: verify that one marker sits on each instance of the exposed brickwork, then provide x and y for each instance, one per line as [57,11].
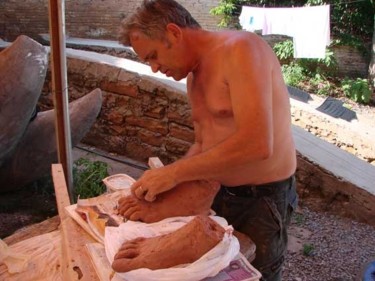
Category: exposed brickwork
[84,18]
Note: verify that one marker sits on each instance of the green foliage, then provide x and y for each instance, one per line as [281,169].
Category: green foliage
[284,49]
[357,90]
[322,85]
[229,10]
[88,176]
[308,249]
[298,219]
[293,74]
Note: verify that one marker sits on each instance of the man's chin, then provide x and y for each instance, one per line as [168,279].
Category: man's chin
[178,77]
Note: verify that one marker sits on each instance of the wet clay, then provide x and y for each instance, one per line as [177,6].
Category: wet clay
[185,245]
[186,199]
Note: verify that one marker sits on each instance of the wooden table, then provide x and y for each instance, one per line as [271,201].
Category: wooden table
[76,264]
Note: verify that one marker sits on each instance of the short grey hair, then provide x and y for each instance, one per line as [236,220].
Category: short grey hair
[152,17]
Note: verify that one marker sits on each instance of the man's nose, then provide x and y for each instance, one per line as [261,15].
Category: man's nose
[155,67]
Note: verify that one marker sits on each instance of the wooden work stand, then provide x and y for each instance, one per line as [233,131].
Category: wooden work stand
[75,260]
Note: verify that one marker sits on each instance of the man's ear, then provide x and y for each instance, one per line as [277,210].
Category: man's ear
[174,32]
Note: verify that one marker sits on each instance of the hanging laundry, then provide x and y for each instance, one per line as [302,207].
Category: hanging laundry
[252,18]
[312,31]
[309,26]
[278,21]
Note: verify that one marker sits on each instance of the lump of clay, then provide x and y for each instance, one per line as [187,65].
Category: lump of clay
[185,245]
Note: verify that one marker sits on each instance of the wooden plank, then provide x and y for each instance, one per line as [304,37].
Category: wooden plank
[76,264]
[339,162]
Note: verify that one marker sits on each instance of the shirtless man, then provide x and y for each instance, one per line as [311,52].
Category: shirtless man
[241,114]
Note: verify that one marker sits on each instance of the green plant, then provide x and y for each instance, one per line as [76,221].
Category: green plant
[226,9]
[298,219]
[357,90]
[321,85]
[88,176]
[284,50]
[308,249]
[293,74]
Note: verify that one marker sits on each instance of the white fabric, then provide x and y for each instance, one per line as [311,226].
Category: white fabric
[309,26]
[312,31]
[278,21]
[252,18]
[207,266]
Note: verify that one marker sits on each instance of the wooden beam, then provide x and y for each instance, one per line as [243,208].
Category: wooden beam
[75,260]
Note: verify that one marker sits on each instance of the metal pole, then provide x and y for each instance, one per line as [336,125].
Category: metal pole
[60,89]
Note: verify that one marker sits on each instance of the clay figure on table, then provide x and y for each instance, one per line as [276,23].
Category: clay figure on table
[186,199]
[185,245]
[241,115]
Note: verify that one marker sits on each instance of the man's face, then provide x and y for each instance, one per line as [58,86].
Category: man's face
[162,55]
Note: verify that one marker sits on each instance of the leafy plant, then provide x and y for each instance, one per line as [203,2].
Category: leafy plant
[357,90]
[284,49]
[293,74]
[226,9]
[298,218]
[88,176]
[308,249]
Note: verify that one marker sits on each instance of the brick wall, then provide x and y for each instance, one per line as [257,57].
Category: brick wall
[139,117]
[84,18]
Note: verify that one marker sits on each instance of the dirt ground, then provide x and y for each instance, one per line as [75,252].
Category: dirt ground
[34,203]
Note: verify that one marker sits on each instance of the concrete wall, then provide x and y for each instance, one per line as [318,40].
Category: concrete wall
[84,18]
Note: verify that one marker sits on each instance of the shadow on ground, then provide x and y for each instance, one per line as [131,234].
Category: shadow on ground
[31,204]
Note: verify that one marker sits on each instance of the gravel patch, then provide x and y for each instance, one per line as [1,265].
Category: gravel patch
[331,248]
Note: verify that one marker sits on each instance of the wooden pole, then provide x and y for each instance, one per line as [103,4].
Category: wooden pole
[60,89]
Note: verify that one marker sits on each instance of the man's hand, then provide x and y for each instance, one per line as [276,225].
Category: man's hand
[153,182]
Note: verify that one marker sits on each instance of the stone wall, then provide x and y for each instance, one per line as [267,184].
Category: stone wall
[139,118]
[84,18]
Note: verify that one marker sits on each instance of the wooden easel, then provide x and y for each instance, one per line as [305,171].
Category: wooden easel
[75,261]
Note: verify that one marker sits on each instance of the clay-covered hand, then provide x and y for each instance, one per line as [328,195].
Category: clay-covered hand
[154,182]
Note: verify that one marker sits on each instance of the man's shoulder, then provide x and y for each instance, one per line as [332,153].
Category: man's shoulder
[240,39]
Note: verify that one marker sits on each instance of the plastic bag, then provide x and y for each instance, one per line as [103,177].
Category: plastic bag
[207,266]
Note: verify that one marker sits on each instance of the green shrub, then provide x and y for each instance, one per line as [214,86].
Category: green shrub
[284,50]
[87,178]
[357,90]
[293,74]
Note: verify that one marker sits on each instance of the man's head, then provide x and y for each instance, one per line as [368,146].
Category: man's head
[152,18]
[158,34]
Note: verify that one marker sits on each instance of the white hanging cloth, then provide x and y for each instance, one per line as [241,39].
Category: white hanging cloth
[309,26]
